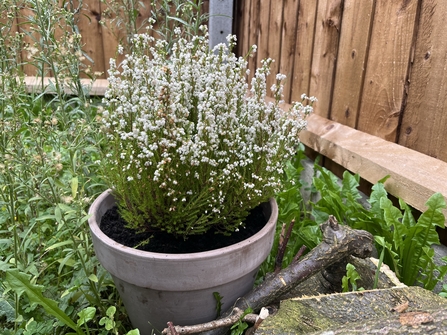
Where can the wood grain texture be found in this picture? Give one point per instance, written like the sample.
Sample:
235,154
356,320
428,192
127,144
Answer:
387,68
288,44
424,122
414,177
274,41
9,28
263,32
241,26
325,50
361,312
304,40
90,29
253,35
352,56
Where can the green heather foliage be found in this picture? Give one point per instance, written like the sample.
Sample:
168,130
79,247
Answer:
186,148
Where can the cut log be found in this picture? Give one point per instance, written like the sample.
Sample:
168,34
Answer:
399,310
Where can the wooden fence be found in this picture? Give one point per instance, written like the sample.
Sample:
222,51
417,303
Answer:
377,66
379,71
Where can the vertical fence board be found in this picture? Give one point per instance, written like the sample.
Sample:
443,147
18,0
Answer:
327,31
351,61
112,36
424,122
302,61
263,32
253,38
288,35
241,26
274,41
387,67
90,30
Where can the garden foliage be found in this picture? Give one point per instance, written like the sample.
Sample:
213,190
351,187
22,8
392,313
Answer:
402,241
50,280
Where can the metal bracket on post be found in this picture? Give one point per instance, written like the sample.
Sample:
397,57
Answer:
221,21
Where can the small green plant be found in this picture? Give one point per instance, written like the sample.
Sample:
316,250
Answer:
186,148
218,298
349,282
240,326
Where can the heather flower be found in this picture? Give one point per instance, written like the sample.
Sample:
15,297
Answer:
191,145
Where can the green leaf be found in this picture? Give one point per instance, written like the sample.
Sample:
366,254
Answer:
107,323
86,315
133,332
422,234
350,184
58,215
74,187
351,278
20,283
378,192
111,311
93,278
392,216
59,244
6,310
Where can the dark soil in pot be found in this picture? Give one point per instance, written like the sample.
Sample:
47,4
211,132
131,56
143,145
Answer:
114,227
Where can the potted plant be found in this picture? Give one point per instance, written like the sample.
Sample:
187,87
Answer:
192,154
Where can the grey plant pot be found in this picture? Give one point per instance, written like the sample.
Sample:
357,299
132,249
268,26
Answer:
157,287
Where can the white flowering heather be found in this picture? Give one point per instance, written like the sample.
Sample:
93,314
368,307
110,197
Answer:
189,148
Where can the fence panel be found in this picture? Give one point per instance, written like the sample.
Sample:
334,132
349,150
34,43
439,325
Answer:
377,66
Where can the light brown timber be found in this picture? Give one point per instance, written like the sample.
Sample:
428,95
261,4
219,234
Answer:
414,176
424,122
351,61
288,47
387,68
325,50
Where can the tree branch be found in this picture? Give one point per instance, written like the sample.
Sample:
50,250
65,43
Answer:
339,242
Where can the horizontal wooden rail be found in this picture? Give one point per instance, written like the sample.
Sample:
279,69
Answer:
34,85
414,176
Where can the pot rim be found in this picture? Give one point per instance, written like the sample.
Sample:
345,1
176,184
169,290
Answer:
94,228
